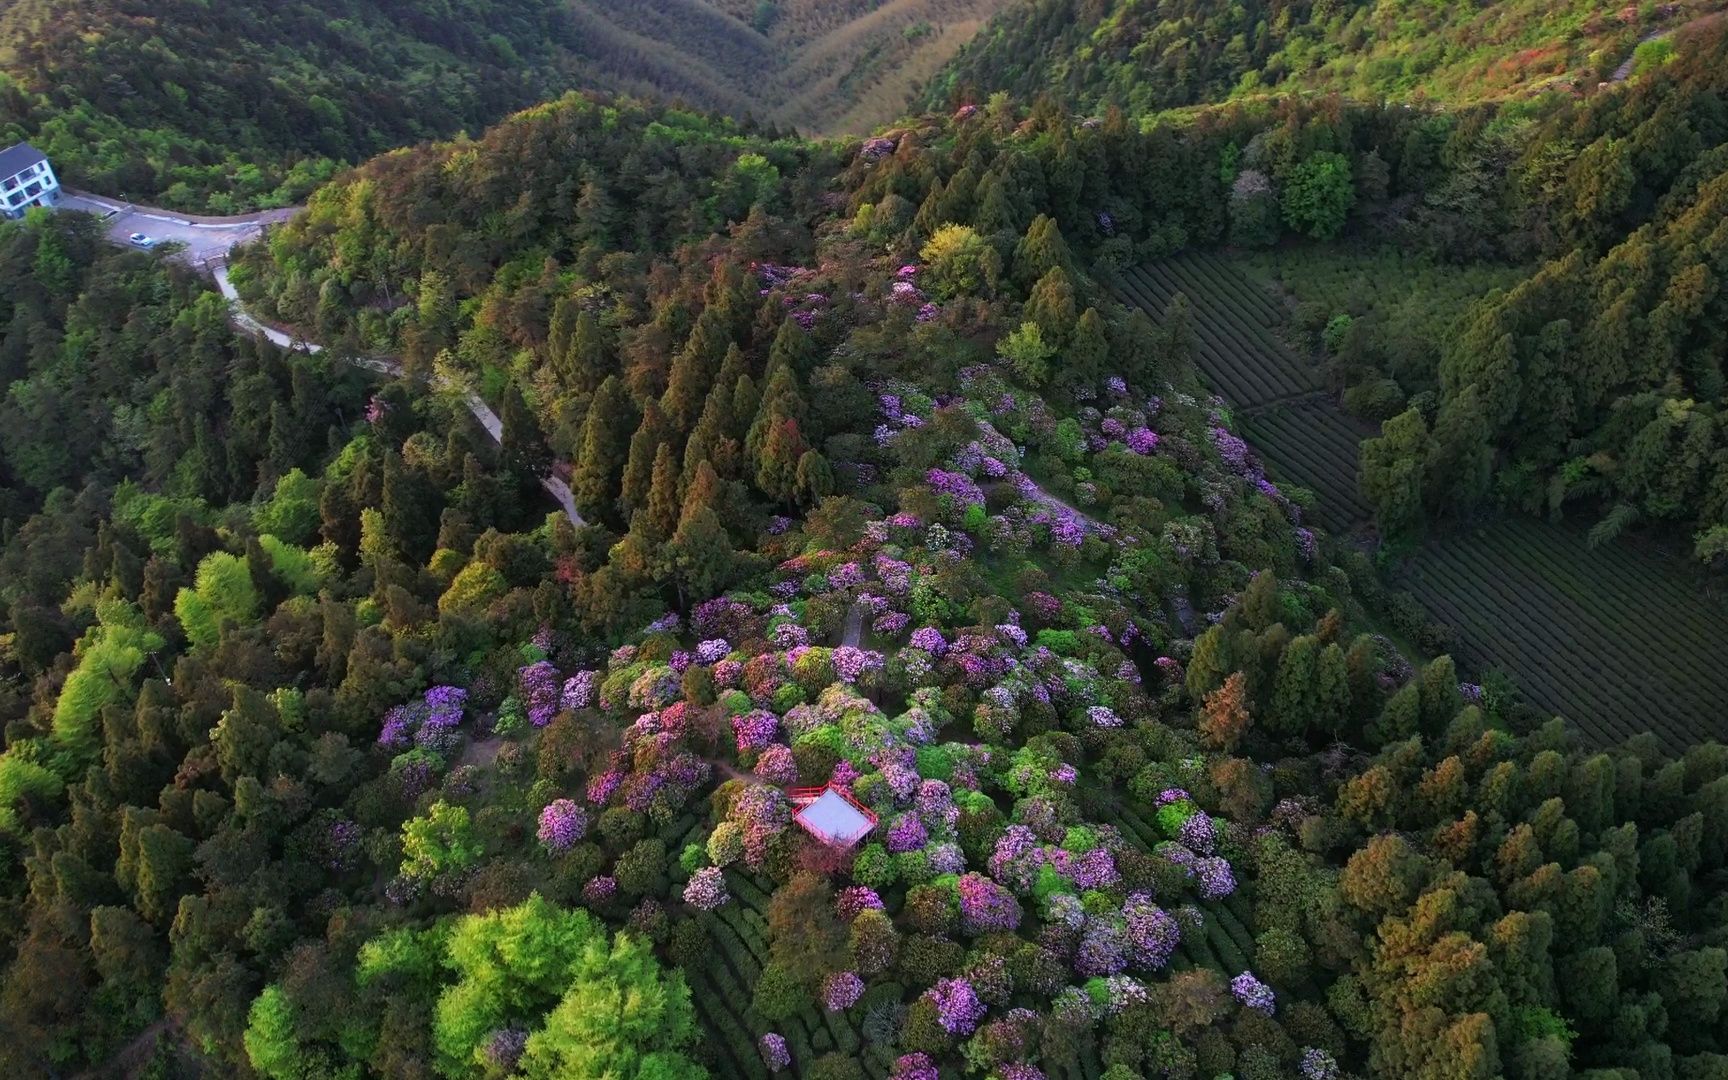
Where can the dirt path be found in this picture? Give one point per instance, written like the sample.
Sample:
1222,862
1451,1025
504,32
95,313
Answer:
129,1058
853,632
1090,524
1624,71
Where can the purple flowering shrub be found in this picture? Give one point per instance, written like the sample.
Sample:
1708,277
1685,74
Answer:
774,1053
706,889
841,990
562,823
958,1009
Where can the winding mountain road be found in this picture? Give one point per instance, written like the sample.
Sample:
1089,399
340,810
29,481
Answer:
207,241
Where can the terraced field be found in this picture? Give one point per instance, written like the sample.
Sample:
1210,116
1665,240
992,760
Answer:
1616,639
1236,324
1315,444
1304,437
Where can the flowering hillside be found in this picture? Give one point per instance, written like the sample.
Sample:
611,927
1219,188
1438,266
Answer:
333,750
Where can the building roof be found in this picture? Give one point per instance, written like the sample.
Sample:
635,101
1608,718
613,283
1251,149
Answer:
835,819
18,157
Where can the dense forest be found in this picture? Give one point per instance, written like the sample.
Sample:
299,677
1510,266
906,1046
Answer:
331,748
1151,55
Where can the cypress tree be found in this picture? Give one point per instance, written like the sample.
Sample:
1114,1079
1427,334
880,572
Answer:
1040,251
693,369
595,484
589,356
1052,307
523,442
777,465
1293,699
1088,350
662,508
645,445
792,348
814,479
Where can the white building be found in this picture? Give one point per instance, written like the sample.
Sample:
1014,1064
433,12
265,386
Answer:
26,180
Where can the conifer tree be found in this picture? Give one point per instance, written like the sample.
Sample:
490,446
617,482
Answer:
1225,718
1293,699
651,434
1088,351
1051,306
693,369
523,443
745,403
792,348
1040,251
994,212
777,464
605,446
815,479
662,506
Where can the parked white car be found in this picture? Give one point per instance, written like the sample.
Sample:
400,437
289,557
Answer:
138,239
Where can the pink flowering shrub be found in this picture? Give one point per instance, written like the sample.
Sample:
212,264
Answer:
775,765
755,729
986,907
958,1009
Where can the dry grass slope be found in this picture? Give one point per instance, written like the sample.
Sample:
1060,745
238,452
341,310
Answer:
827,67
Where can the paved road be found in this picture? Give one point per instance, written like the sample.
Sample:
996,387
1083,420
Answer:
555,487
204,238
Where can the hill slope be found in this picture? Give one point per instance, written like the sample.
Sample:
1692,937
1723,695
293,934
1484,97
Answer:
221,107
1145,55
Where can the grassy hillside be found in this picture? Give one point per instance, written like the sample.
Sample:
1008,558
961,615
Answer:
1145,55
